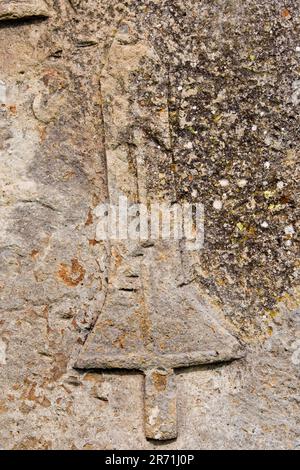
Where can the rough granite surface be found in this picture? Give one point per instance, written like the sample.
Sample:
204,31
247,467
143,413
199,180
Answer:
233,92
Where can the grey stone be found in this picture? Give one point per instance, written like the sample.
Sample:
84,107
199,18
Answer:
148,321
228,71
17,10
160,405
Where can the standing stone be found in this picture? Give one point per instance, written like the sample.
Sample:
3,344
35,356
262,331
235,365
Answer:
199,102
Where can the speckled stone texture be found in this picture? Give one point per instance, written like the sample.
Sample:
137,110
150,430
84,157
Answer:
232,88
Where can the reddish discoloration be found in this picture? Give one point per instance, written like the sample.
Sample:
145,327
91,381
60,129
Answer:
68,175
60,366
93,242
71,275
13,109
33,443
42,133
3,407
33,393
160,381
54,79
34,254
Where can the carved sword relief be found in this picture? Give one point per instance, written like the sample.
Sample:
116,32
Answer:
20,9
153,319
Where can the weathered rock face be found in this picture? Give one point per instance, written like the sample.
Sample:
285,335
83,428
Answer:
211,91
20,9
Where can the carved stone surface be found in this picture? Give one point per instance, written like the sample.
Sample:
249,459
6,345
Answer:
19,9
160,404
153,316
210,91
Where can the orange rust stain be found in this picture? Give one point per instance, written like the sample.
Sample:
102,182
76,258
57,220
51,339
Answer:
33,443
162,257
92,377
45,402
68,175
3,407
71,275
74,323
31,394
42,132
160,381
272,313
60,366
120,341
34,254
54,78
89,219
93,242
285,13
117,257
